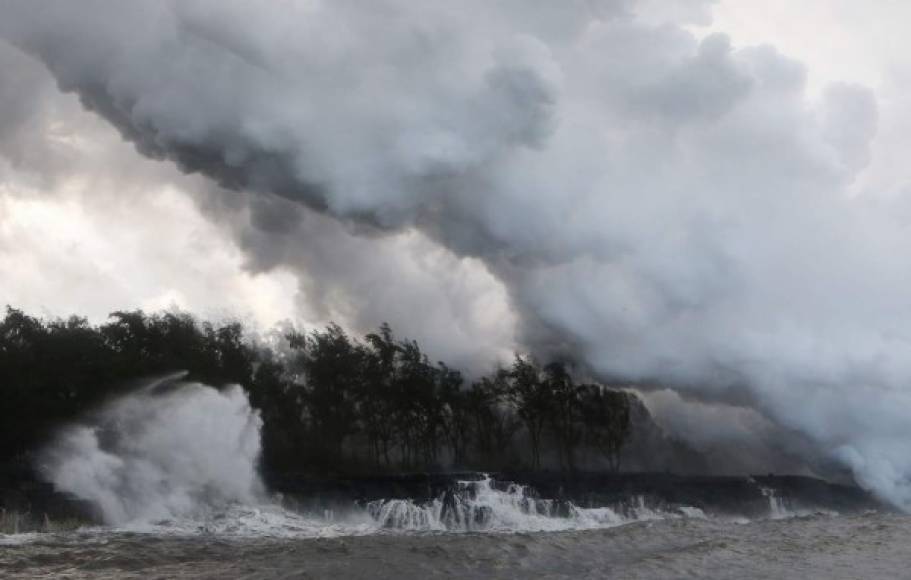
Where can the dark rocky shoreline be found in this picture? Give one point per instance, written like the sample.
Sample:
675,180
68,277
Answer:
747,496
24,493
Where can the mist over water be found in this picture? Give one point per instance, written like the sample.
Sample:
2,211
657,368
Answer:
166,452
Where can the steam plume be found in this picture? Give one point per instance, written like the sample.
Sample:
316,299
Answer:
158,456
666,208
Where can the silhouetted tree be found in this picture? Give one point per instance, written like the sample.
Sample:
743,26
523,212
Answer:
331,366
377,402
606,416
526,389
494,424
327,400
456,422
564,411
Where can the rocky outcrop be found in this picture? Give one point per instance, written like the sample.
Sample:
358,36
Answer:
752,497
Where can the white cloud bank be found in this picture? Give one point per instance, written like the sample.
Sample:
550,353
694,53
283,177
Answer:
665,207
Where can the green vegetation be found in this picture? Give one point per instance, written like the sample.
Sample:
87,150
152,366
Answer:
330,403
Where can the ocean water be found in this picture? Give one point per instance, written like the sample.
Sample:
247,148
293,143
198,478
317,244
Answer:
177,486
478,529
869,546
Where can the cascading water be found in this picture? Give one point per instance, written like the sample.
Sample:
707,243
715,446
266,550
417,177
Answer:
777,508
176,457
182,458
473,506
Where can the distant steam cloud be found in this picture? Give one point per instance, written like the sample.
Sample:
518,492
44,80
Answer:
666,208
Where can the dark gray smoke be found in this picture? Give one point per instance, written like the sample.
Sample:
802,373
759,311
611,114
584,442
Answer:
665,208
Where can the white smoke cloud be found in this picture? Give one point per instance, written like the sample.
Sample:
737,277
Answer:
454,306
80,211
671,209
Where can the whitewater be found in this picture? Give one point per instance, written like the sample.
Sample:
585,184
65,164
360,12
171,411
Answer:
177,457
869,547
172,471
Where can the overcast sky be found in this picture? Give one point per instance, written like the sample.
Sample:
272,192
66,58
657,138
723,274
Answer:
69,242
62,250
708,194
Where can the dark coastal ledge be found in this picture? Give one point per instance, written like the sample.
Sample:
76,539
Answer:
23,493
754,496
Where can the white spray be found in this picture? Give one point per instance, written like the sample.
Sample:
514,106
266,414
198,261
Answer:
181,458
482,506
154,456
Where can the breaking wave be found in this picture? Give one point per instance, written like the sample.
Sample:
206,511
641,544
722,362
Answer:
181,458
470,506
477,506
168,451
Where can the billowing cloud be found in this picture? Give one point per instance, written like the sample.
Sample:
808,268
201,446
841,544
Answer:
88,226
664,207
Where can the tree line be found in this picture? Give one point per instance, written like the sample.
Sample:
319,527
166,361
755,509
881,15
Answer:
330,402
